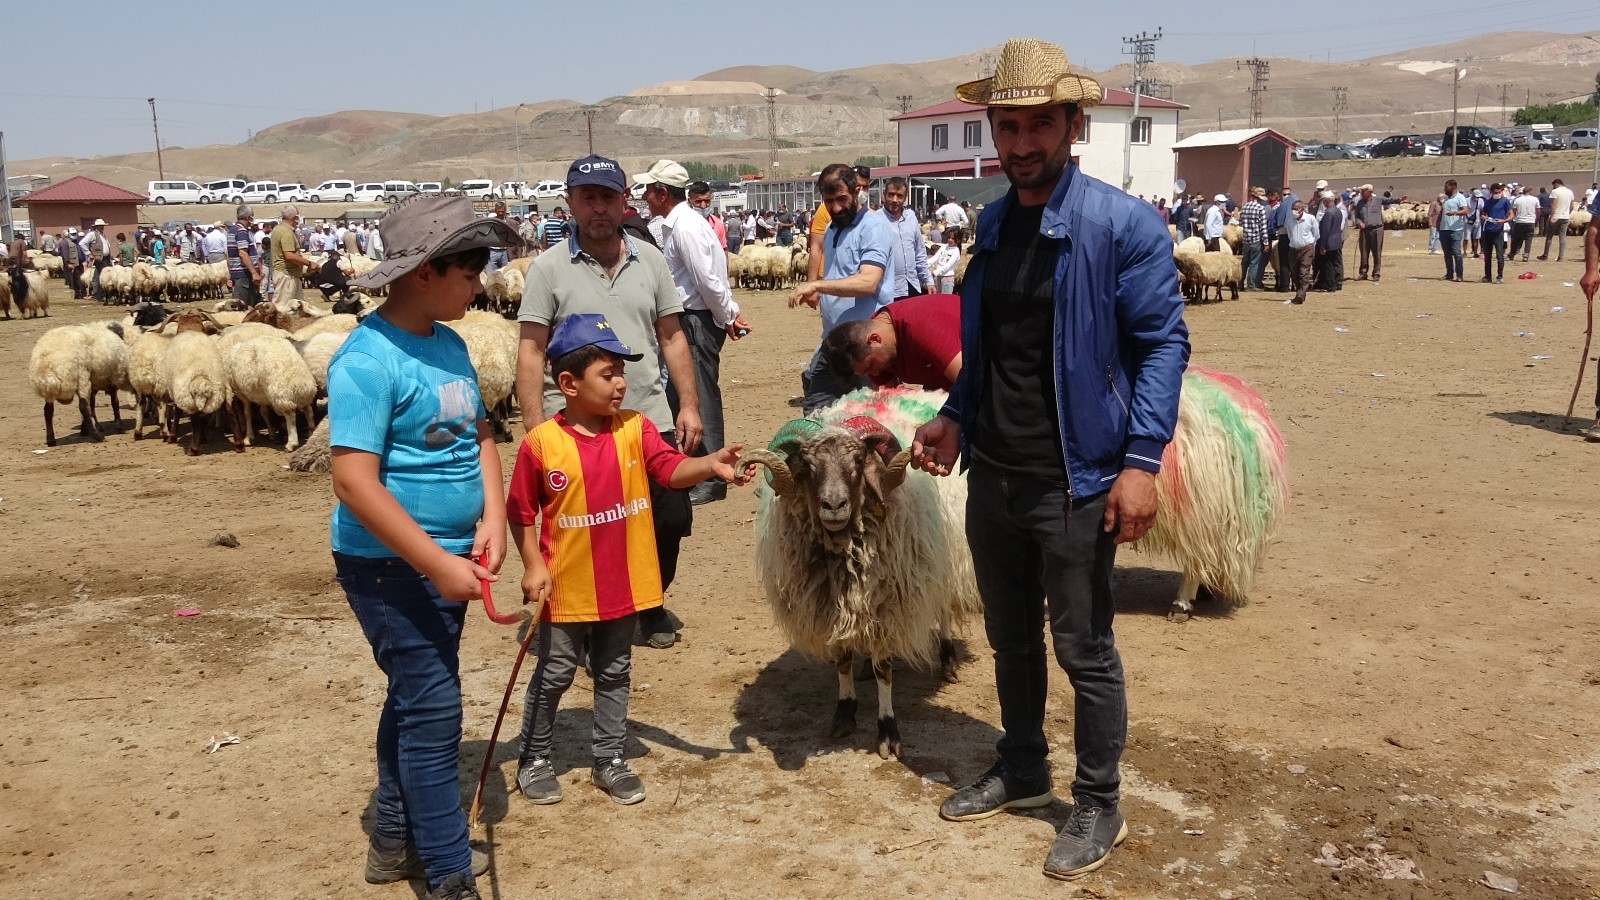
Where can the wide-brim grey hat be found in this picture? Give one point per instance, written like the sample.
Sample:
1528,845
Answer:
424,226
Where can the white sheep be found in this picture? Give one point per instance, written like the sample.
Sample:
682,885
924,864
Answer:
858,553
1199,269
146,376
77,362
269,372
317,351
196,381
492,347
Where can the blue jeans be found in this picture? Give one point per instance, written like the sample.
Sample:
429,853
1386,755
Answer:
820,388
1041,558
1450,242
415,636
1255,265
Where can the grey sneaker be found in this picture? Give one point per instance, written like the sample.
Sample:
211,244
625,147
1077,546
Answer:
402,862
1592,433
536,778
615,778
456,887
996,790
1085,842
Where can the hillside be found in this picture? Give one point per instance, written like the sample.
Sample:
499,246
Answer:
721,116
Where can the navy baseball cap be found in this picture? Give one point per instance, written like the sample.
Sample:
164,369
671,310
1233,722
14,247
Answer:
596,170
583,329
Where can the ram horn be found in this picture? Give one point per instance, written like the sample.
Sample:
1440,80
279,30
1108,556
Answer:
895,473
872,433
782,481
792,434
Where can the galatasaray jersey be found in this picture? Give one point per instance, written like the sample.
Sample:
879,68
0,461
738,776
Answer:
591,499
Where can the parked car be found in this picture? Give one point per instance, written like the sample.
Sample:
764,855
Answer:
1399,145
511,190
548,190
430,187
291,192
164,192
335,190
476,188
395,191
1336,151
1469,140
227,190
1500,142
1432,148
1583,138
1539,137
371,192
1304,152
260,192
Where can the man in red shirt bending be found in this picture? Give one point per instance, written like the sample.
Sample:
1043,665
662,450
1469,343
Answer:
912,341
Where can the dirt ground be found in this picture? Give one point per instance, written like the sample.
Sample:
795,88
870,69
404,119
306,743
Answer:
1416,670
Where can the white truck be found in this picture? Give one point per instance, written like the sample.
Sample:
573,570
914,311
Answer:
1539,137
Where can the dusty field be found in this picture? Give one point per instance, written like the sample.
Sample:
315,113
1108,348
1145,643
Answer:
1416,670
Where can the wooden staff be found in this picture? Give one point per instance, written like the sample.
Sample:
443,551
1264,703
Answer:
1583,362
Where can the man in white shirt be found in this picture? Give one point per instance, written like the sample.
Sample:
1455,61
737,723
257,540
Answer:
951,213
1560,211
1214,220
1524,213
710,316
214,246
748,228
1302,249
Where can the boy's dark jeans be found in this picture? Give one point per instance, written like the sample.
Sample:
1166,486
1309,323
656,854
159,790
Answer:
415,635
611,659
1030,556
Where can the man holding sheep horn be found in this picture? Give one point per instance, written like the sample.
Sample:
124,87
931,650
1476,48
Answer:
1067,396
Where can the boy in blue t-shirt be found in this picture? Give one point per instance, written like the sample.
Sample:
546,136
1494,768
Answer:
421,519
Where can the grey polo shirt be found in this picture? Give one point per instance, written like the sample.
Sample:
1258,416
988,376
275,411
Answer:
564,280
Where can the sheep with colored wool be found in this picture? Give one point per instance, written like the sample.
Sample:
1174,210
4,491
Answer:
860,554
1222,488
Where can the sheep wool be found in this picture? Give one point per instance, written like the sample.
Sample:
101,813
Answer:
1223,484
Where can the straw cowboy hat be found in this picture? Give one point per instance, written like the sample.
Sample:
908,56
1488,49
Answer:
1031,73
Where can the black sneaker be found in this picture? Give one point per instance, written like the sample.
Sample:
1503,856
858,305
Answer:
995,790
536,778
1085,842
615,778
402,862
457,887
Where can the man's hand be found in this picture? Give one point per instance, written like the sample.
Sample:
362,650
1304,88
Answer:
1590,281
689,430
1131,505
806,293
927,288
736,326
459,579
935,445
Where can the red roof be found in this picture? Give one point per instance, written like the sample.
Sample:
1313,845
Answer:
1113,97
81,189
951,168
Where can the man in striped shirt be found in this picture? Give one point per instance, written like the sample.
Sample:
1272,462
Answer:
1253,220
554,228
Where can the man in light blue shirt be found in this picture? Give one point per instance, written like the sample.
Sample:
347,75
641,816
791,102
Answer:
857,276
910,251
1452,224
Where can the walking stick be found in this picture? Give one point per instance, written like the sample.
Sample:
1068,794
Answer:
505,701
1583,362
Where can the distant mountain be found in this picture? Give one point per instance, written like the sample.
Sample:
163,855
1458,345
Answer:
721,116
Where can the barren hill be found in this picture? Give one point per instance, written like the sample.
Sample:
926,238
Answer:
721,116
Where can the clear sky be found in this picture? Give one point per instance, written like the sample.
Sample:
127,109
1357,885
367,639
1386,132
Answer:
80,73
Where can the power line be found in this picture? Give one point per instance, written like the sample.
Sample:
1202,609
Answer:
1142,47
1259,69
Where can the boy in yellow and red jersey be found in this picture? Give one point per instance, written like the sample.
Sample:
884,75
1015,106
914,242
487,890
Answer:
583,476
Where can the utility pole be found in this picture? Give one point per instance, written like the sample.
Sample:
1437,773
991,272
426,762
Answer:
160,169
1341,102
1504,103
905,107
7,231
1455,107
517,123
588,114
1258,85
772,131
1142,47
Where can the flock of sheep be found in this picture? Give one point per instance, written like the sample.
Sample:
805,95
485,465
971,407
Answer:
220,369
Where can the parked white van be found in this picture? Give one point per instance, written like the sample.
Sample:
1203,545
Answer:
395,191
164,192
261,192
1583,138
430,187
372,192
227,190
476,188
336,190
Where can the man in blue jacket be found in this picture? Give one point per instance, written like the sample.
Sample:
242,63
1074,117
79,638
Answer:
1073,348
